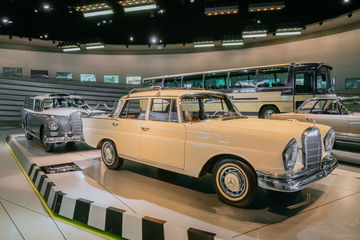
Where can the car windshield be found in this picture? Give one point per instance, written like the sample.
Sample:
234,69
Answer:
350,105
62,102
199,107
306,107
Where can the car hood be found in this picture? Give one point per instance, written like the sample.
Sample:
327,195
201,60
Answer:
65,112
271,128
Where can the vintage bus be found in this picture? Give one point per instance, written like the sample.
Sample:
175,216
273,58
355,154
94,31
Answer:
259,91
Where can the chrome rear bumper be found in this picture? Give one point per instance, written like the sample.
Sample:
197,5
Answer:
293,183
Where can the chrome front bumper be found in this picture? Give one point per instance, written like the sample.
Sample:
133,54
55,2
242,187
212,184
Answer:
64,139
296,182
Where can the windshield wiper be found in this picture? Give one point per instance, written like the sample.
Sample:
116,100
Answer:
233,117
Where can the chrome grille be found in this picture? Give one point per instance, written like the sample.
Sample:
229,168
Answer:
76,123
312,149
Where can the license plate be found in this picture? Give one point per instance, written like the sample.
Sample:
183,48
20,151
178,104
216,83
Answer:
53,134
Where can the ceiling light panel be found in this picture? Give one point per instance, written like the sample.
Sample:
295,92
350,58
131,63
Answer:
137,5
204,44
96,9
238,42
218,8
96,45
266,6
254,34
288,31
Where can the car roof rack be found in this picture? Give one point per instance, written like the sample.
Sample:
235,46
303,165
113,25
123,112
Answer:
151,88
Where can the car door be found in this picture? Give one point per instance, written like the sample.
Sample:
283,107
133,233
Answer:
37,118
354,127
327,112
127,127
351,108
29,115
163,136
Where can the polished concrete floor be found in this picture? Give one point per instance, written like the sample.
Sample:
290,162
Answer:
327,209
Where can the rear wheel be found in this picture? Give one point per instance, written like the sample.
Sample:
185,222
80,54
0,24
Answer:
267,111
109,155
49,147
235,182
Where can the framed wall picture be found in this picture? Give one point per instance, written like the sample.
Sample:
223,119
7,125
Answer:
39,73
12,71
111,79
64,76
86,77
352,83
133,80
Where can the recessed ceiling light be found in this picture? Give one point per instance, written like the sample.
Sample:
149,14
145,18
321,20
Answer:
46,6
153,39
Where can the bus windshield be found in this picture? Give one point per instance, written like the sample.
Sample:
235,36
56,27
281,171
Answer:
324,83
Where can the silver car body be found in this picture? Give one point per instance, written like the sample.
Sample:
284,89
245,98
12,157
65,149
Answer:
341,113
36,119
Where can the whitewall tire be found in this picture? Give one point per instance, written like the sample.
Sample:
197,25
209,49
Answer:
109,155
235,182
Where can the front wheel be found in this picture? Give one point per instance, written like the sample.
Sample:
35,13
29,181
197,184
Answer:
109,155
49,147
235,182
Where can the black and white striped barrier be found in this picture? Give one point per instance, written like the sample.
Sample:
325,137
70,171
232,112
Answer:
106,218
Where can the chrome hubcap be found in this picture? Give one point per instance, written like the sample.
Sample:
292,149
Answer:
268,114
232,182
108,153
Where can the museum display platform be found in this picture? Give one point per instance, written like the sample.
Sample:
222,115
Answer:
142,202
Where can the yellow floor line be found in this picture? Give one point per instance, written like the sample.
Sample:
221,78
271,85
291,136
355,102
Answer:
53,215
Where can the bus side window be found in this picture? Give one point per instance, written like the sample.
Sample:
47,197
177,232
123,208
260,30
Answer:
215,81
243,79
195,81
303,82
272,77
152,82
172,82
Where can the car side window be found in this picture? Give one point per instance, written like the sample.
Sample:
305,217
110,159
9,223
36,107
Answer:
326,106
163,110
37,105
135,109
47,104
30,104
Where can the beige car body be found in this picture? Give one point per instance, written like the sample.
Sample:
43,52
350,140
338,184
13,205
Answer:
187,147
346,126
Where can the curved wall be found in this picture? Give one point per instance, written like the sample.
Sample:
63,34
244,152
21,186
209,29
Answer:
341,50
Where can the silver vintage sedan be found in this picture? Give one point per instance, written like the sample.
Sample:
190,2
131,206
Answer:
55,118
341,113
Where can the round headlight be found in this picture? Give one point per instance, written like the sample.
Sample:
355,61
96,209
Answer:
329,140
53,125
290,155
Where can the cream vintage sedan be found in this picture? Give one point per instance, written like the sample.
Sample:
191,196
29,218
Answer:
195,132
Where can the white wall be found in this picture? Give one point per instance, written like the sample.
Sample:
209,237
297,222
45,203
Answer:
341,50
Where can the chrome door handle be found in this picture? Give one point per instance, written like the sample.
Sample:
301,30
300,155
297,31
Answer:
115,124
144,128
